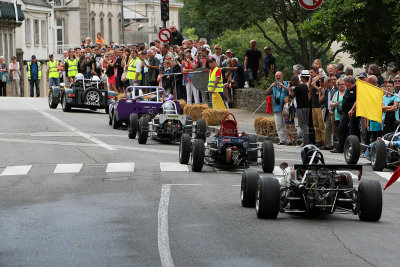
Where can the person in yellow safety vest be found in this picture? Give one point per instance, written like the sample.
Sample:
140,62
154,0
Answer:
72,63
34,70
215,84
134,69
53,76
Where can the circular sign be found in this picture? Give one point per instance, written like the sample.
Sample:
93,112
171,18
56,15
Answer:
164,35
310,4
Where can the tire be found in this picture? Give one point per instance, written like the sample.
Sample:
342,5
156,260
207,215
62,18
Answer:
268,156
378,155
352,149
52,103
107,109
197,155
66,107
143,130
253,155
133,124
184,149
92,95
110,118
370,200
116,123
189,125
201,128
248,188
268,196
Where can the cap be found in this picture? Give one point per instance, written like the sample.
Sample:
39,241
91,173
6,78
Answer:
137,44
211,59
305,73
33,56
51,55
228,51
362,75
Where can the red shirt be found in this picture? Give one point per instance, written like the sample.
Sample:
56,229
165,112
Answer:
218,74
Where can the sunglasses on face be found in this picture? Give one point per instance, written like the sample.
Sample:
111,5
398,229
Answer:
342,84
397,81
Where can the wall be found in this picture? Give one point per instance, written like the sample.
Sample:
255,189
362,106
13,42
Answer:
250,99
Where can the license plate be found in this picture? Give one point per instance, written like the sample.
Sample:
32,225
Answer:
173,117
93,104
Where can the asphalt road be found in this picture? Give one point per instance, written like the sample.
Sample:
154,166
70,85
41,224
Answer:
125,204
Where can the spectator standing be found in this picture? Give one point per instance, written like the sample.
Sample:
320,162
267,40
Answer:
53,76
279,90
193,50
119,69
313,95
331,70
218,56
64,67
252,63
167,55
110,71
153,67
202,58
373,69
82,62
340,70
297,69
269,62
15,73
97,65
288,114
72,63
167,78
4,80
390,106
336,105
325,97
100,39
34,70
134,69
191,92
176,37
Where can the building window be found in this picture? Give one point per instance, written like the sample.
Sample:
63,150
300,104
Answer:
36,32
28,31
120,29
43,28
6,47
93,28
59,3
110,30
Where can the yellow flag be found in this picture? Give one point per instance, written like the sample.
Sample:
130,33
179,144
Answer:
369,101
217,102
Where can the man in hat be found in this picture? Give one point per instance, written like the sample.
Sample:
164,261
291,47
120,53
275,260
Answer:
53,76
363,76
34,70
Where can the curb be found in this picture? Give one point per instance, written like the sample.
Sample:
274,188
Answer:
260,138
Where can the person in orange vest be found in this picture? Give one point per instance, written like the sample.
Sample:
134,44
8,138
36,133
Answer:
100,39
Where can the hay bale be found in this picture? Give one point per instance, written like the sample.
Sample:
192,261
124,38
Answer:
265,126
214,116
182,103
195,110
120,96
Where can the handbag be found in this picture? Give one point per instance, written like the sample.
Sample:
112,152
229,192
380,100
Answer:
123,77
4,77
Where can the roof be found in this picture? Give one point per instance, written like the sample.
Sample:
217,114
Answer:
130,14
42,3
7,11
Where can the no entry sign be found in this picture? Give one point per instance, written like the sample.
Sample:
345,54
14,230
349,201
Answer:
164,35
310,4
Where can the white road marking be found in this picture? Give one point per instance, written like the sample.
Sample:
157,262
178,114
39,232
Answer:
386,175
173,167
16,170
163,237
121,167
68,168
73,129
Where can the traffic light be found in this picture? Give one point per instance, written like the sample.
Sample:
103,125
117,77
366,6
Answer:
164,10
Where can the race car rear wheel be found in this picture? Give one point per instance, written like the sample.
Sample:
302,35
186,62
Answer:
352,149
116,123
370,200
248,188
107,109
268,156
132,125
201,128
197,155
189,125
92,95
52,103
184,149
110,118
66,107
253,155
143,130
378,155
268,198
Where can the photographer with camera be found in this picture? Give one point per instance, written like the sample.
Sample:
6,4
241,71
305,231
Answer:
279,90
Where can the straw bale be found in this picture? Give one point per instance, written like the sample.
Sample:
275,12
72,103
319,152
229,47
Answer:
214,117
265,126
195,110
182,103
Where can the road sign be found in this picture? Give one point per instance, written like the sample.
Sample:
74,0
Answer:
164,35
310,4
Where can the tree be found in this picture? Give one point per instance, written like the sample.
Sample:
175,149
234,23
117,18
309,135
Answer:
369,29
221,15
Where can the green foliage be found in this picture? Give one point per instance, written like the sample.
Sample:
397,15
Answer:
190,33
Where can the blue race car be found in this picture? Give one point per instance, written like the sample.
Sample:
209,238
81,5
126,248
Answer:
384,152
228,148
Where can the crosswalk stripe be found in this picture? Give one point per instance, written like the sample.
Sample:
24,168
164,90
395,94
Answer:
16,170
121,167
385,175
173,167
68,168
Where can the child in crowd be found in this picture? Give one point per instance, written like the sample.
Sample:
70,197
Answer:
318,65
288,114
166,78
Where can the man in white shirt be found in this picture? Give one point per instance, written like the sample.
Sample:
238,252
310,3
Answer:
193,50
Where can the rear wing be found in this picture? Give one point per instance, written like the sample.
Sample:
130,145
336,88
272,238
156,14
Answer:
332,167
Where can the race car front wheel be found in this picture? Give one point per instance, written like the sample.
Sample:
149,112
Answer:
378,155
198,155
268,156
268,198
184,149
369,200
116,123
143,130
352,149
189,125
66,107
248,188
201,128
52,103
132,125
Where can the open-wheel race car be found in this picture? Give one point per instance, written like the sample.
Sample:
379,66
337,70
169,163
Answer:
83,93
384,152
313,188
137,104
228,148
166,125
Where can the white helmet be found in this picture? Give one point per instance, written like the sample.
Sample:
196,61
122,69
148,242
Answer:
79,76
169,107
95,78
